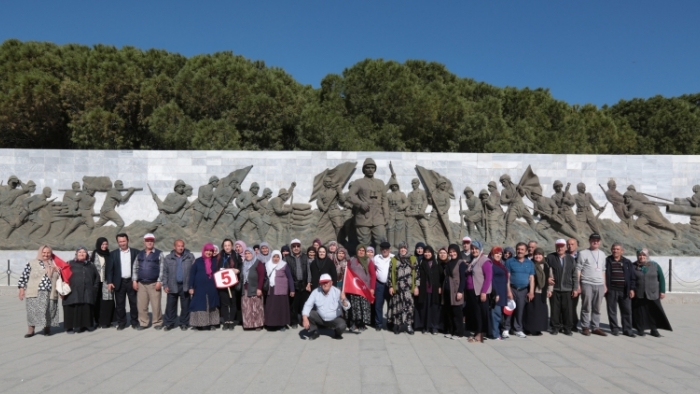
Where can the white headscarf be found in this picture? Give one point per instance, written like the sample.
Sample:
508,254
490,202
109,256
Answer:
271,267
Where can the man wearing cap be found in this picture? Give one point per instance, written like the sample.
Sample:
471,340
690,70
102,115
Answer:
147,278
368,197
590,267
466,253
565,277
521,278
301,274
324,308
382,264
621,281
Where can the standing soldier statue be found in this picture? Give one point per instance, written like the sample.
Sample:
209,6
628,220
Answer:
584,212
327,203
205,200
396,229
417,203
473,216
512,197
368,197
565,203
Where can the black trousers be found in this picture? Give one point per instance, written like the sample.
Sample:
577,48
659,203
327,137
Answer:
574,314
615,298
296,303
228,308
561,313
170,318
126,291
427,314
315,321
454,320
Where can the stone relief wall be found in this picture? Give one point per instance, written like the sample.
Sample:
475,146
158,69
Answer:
205,196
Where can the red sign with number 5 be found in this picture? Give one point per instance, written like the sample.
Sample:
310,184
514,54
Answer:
225,278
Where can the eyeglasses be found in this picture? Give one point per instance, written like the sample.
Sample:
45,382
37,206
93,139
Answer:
296,246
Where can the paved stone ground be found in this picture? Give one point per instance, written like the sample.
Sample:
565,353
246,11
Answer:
110,361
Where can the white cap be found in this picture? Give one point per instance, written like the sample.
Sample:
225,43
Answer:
149,236
466,239
560,241
295,241
325,278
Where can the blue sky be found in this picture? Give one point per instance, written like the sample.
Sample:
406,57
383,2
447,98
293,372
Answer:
585,52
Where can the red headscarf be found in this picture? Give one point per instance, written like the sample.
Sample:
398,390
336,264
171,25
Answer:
207,261
494,250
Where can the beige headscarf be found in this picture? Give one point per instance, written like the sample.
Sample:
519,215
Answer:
49,265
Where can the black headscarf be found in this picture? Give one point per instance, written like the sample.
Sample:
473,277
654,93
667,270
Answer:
452,262
98,247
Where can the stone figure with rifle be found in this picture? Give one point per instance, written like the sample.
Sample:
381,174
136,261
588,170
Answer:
282,213
565,203
584,208
113,199
371,209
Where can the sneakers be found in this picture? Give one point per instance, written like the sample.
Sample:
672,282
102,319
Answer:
520,334
505,334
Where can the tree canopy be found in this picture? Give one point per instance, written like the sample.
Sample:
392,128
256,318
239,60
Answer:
102,97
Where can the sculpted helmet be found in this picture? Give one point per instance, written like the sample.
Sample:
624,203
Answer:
368,161
268,191
492,184
31,183
504,177
631,188
629,194
696,188
392,182
440,181
468,189
281,192
254,185
213,179
179,182
558,183
483,193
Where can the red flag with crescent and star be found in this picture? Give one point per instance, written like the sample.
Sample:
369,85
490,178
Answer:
352,284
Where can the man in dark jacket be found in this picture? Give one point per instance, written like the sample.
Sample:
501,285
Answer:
565,284
147,280
176,276
301,273
620,280
118,277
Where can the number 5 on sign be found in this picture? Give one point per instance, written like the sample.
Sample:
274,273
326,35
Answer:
225,278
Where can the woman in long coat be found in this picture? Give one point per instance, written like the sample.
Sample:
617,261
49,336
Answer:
204,314
536,314
429,291
84,285
404,280
253,279
478,277
38,285
104,302
647,312
499,290
322,265
227,297
453,293
277,314
360,312
340,260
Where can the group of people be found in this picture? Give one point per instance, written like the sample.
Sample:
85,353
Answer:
461,292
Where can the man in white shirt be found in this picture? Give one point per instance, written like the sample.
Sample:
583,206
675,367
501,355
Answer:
382,263
118,277
324,308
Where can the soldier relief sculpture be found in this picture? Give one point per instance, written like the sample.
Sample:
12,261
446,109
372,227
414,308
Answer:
367,211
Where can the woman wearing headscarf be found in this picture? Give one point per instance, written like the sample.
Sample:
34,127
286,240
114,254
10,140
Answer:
370,252
404,281
418,252
499,290
453,293
340,260
104,299
239,248
204,314
647,312
84,285
360,312
478,278
286,251
428,303
317,243
508,252
332,249
227,297
536,314
252,294
265,252
322,265
281,288
38,285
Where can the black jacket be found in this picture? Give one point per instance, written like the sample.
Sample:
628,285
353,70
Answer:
434,275
320,267
113,272
565,278
84,283
630,276
300,283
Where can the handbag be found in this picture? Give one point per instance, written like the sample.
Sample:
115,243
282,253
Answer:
62,287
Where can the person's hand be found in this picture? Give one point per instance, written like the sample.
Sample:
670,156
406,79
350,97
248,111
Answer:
166,289
191,291
21,294
551,281
158,286
291,294
308,287
61,295
305,322
258,292
440,290
236,270
498,298
549,294
415,292
606,289
574,294
110,287
391,291
510,295
135,285
482,297
365,207
662,296
631,293
371,291
530,296
459,296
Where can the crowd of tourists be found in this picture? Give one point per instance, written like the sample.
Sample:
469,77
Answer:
457,291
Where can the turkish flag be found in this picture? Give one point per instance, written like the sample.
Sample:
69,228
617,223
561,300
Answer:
64,269
354,285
